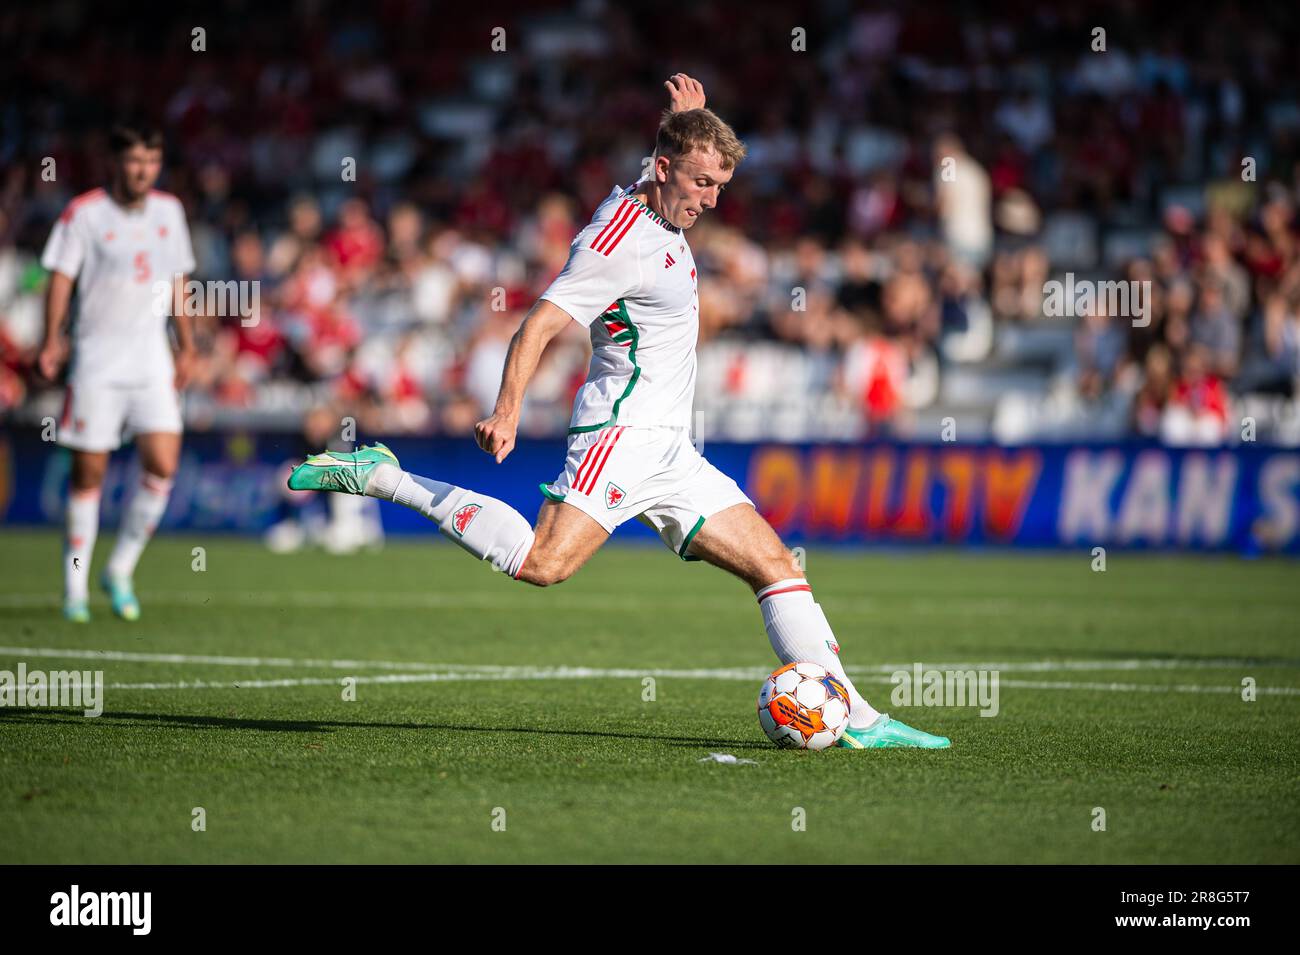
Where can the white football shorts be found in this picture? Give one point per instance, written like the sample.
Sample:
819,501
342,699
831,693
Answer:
654,474
99,417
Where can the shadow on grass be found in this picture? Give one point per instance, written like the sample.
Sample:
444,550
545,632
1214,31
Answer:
123,720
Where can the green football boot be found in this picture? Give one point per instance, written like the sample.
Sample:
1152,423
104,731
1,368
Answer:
76,611
345,471
122,596
886,732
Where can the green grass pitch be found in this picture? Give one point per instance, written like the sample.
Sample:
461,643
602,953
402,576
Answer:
479,699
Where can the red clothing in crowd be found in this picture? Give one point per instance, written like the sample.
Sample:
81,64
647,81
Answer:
1203,396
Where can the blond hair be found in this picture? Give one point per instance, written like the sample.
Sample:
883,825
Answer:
702,129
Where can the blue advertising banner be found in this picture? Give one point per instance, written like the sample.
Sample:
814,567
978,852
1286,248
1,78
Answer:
1142,496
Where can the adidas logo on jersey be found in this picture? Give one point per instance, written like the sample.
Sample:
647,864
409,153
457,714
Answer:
669,261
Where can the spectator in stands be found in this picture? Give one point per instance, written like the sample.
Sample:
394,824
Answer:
379,289
1151,399
1197,412
963,201
1216,329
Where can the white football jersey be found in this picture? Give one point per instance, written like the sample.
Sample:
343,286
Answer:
631,279
116,256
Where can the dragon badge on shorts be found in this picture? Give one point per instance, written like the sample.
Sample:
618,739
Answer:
614,495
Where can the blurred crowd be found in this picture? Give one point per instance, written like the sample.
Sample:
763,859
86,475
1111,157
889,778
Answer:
916,174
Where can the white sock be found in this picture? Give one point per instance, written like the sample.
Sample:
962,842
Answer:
79,543
489,529
799,631
138,523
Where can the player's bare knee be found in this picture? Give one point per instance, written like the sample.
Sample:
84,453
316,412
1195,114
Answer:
546,569
545,576
160,459
775,567
87,474
86,482
796,568
783,562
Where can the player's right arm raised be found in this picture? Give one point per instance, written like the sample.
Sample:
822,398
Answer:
684,92
496,434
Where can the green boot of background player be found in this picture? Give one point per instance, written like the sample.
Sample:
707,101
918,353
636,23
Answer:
121,595
76,611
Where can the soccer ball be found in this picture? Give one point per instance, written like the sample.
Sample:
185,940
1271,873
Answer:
802,706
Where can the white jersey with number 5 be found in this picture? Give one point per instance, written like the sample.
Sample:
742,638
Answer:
116,255
631,279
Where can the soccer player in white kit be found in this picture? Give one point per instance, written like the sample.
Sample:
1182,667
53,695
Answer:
631,280
127,251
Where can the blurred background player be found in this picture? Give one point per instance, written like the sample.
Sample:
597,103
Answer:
127,251
630,450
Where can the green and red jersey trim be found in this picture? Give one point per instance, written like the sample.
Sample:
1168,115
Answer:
620,328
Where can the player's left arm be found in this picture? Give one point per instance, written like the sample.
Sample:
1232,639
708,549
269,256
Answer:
65,251
54,350
186,354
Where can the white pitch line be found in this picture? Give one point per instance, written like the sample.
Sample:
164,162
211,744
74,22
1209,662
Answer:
746,673
304,681
516,673
1031,666
470,672
757,673
1146,687
423,600
1121,687
215,660
399,600
325,600
581,673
